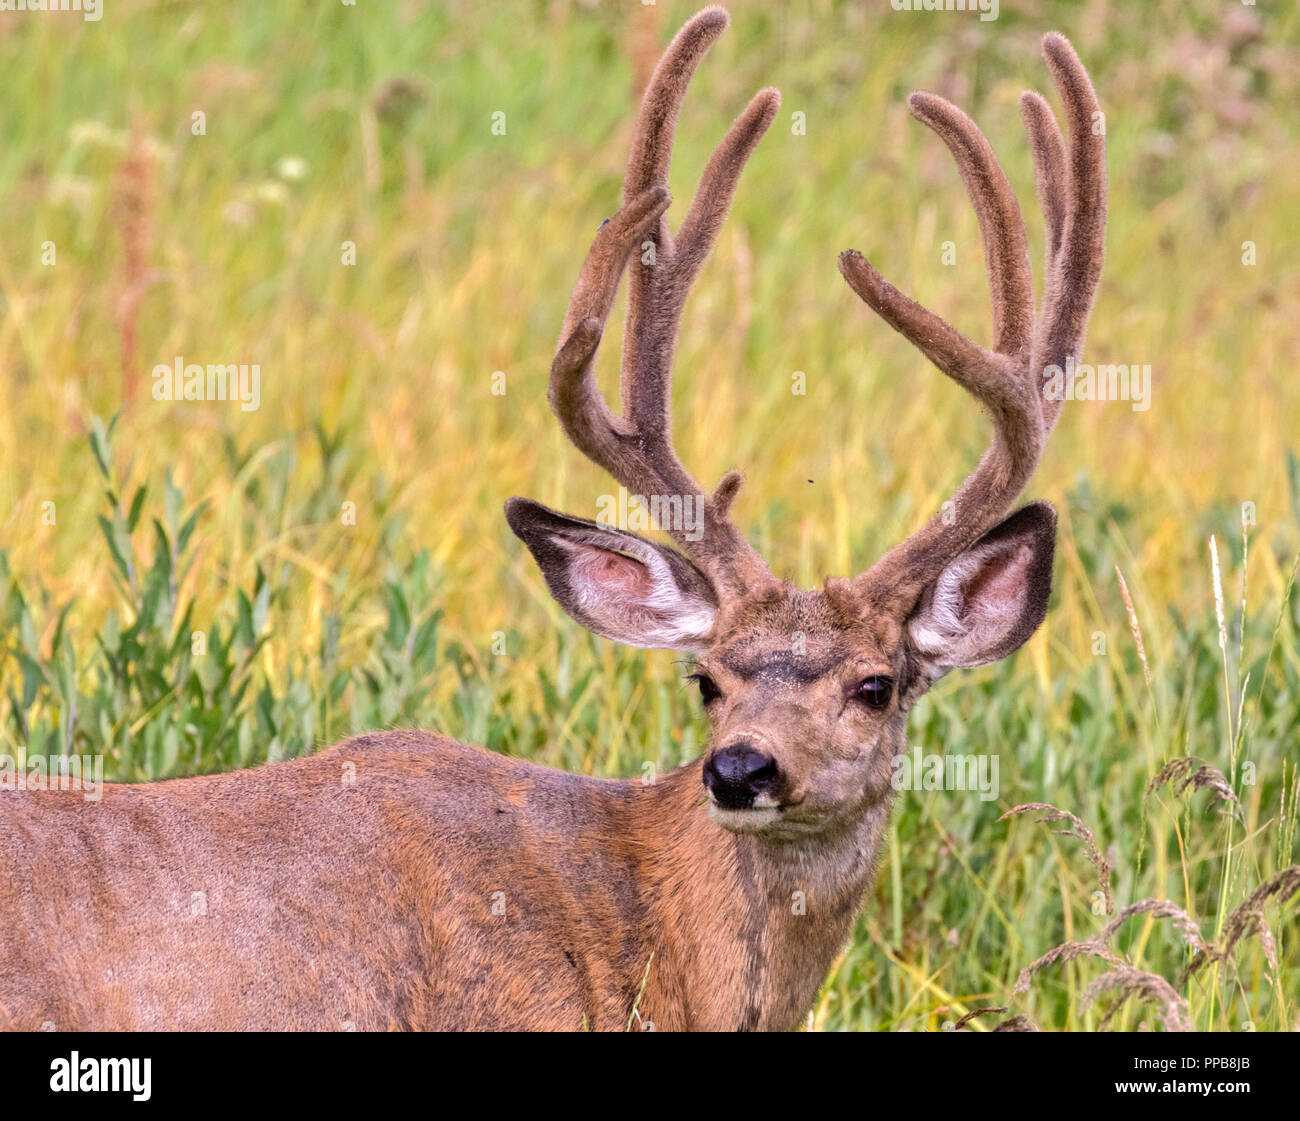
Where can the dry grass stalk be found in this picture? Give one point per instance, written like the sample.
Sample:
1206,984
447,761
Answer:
1161,908
1082,832
1134,626
966,1019
1182,775
1067,951
1017,1023
1217,580
1248,919
133,205
1245,582
1149,988
1097,947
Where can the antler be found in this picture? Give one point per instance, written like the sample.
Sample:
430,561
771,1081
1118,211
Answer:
637,448
1009,379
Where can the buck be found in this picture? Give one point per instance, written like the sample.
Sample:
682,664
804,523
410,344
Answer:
402,879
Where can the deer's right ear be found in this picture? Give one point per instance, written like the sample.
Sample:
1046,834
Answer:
992,596
616,584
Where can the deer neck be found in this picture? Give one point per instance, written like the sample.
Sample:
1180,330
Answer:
744,929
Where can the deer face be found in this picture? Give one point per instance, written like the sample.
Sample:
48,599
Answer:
806,707
806,692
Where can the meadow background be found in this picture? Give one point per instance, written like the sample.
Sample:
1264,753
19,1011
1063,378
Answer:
183,587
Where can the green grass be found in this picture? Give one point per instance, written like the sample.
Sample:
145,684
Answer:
328,123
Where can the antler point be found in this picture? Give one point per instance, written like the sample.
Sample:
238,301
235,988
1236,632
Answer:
708,24
725,492
852,259
921,103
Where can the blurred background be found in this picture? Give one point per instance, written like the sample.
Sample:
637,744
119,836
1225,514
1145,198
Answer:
384,208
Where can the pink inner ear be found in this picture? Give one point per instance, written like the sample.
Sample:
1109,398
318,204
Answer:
612,574
998,585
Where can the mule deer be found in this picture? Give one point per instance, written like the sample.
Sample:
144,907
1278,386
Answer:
448,887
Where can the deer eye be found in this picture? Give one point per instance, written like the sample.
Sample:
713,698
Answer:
709,691
875,691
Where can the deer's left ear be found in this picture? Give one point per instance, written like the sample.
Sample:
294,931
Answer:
616,584
992,596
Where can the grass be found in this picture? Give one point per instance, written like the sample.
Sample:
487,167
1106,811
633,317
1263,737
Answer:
195,587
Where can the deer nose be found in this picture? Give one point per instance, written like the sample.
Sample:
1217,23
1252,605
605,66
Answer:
738,774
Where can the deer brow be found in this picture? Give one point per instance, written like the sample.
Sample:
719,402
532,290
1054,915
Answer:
785,664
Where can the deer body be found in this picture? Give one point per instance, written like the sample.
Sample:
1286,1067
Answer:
288,898
447,887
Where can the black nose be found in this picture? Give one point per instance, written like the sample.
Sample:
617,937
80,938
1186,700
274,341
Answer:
736,775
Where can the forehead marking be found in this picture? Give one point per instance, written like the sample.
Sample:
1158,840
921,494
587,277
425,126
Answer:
784,665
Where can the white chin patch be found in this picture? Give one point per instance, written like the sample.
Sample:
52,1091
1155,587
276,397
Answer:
744,821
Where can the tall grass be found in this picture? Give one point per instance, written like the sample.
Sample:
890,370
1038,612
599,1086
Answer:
196,587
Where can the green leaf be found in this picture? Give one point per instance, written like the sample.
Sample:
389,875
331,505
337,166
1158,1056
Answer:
172,503
100,444
118,545
261,607
183,537
137,504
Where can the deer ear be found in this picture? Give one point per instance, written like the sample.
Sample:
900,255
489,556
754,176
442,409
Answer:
992,596
616,584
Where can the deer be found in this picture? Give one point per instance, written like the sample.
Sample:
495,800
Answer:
403,880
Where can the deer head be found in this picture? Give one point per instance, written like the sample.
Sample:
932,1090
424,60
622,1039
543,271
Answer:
807,691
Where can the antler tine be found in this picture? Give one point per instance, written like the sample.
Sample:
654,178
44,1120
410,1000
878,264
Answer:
1006,247
657,294
1076,269
1051,172
574,396
637,447
1007,379
984,373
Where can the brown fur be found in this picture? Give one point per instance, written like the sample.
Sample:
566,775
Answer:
330,904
